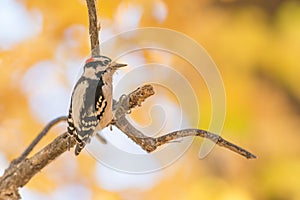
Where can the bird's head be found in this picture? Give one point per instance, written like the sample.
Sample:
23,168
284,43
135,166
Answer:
100,64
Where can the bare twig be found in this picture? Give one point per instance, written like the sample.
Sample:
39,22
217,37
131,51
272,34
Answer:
39,137
93,28
149,144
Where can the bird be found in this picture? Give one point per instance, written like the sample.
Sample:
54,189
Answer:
91,101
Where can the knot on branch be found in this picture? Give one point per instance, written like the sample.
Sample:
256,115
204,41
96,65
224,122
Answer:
138,96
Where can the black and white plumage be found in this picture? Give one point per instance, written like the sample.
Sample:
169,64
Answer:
91,102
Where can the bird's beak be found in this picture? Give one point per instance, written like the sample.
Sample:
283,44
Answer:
117,65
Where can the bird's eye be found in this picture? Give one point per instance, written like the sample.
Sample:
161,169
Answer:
106,62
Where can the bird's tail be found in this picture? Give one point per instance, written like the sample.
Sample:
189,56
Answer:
78,148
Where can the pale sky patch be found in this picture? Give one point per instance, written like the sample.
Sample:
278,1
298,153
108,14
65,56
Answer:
17,23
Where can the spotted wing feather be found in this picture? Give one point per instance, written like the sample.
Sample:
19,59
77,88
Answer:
90,116
101,102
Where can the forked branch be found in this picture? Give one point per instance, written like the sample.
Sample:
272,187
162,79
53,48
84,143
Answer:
23,169
19,173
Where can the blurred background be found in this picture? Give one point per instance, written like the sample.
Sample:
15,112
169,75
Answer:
256,46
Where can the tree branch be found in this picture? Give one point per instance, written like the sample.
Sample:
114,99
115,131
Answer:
18,174
93,28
